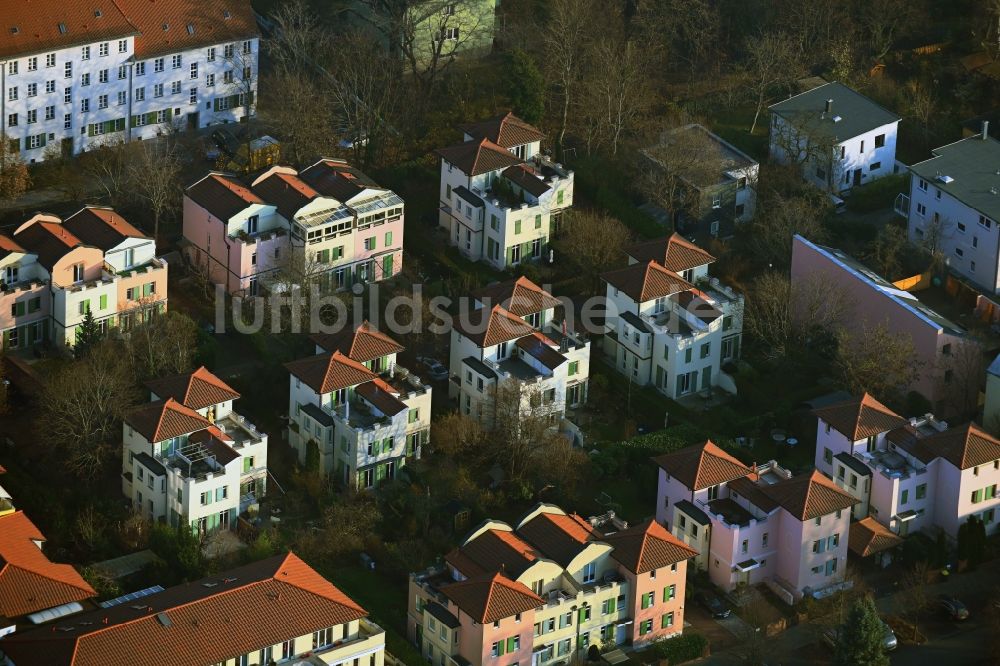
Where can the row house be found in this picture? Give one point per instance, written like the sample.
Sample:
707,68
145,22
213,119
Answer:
76,76
189,459
354,411
546,590
509,338
501,199
53,272
668,324
909,474
755,525
329,224
286,612
952,206
838,137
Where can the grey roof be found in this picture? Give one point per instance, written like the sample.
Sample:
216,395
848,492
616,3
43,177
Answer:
150,463
854,463
729,157
994,368
467,194
972,164
318,415
636,321
857,113
442,615
696,514
479,367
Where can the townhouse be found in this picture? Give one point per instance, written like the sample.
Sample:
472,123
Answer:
836,136
354,412
75,76
952,208
938,343
501,199
329,224
189,459
546,590
909,474
55,271
668,324
509,338
755,525
285,611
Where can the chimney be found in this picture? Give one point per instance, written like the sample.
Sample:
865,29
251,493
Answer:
829,106
986,129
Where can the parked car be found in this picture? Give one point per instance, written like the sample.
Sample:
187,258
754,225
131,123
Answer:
955,609
435,370
839,205
713,604
889,641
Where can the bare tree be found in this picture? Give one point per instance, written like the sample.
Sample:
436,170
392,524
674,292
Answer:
779,218
882,21
164,345
298,37
620,89
108,165
14,178
770,63
690,29
298,102
887,251
922,105
783,316
596,242
960,375
876,359
154,179
912,599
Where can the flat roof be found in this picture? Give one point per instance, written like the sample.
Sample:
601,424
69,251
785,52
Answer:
852,113
972,170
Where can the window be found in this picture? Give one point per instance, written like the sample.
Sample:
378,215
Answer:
194,70
247,46
322,638
175,87
985,221
122,72
102,76
121,98
158,65
140,69
875,166
645,627
205,499
370,243
706,350
904,496
12,93
667,620
819,520
158,90
103,49
880,140
67,95
647,600
449,34
589,572
669,592
32,116
50,112
32,89
921,491
921,210
175,61
228,51
763,540
140,94
388,238
50,86
32,64
122,46
827,456
862,149
211,54
210,80
85,79
68,70
990,491
227,77
977,496
11,120
102,101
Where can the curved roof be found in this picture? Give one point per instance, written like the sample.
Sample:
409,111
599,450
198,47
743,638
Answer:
101,227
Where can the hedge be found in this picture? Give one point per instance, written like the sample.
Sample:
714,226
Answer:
878,194
683,648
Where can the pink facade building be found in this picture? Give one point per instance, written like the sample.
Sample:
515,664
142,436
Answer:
329,225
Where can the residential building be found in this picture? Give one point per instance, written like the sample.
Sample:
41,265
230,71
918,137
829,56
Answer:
329,224
668,323
510,340
991,404
285,612
187,457
755,524
501,199
6,501
911,474
546,590
76,76
33,589
719,180
54,271
837,137
952,206
355,413
943,375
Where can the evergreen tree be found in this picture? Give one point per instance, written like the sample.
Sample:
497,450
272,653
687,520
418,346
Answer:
525,86
88,335
860,641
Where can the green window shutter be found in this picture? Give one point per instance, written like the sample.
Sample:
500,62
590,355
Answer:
151,118
510,255
517,226
324,256
413,416
387,266
170,114
90,129
246,465
19,309
447,191
559,197
104,301
388,238
538,221
510,644
6,339
85,304
44,138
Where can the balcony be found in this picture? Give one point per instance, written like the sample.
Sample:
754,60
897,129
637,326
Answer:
371,637
549,169
153,264
240,429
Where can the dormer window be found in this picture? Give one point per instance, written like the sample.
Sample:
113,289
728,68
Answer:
589,572
129,257
77,272
252,222
10,275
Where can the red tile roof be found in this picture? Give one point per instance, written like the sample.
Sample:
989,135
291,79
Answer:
197,390
204,622
809,496
702,466
490,327
50,241
491,551
365,343
189,24
8,246
491,597
860,418
330,372
222,195
648,546
165,419
868,536
100,227
506,131
964,447
37,25
521,297
29,582
674,253
474,158
286,191
558,536
646,282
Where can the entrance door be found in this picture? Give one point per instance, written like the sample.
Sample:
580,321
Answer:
223,520
66,147
192,121
621,633
857,176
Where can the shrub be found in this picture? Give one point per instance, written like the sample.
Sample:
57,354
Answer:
683,648
879,194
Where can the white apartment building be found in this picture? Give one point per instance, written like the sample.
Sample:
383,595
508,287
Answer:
354,411
668,323
187,457
76,75
954,207
501,199
838,137
510,336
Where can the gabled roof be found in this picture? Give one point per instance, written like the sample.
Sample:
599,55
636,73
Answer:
506,131
489,327
809,496
964,447
673,252
491,551
223,195
29,582
204,622
8,246
50,241
524,177
330,372
197,390
286,191
478,157
337,179
560,537
101,227
491,597
37,25
172,26
852,113
365,343
648,546
165,419
868,536
860,418
646,282
702,466
521,297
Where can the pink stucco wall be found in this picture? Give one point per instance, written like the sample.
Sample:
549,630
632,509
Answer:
795,556
92,259
9,298
136,280
644,583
